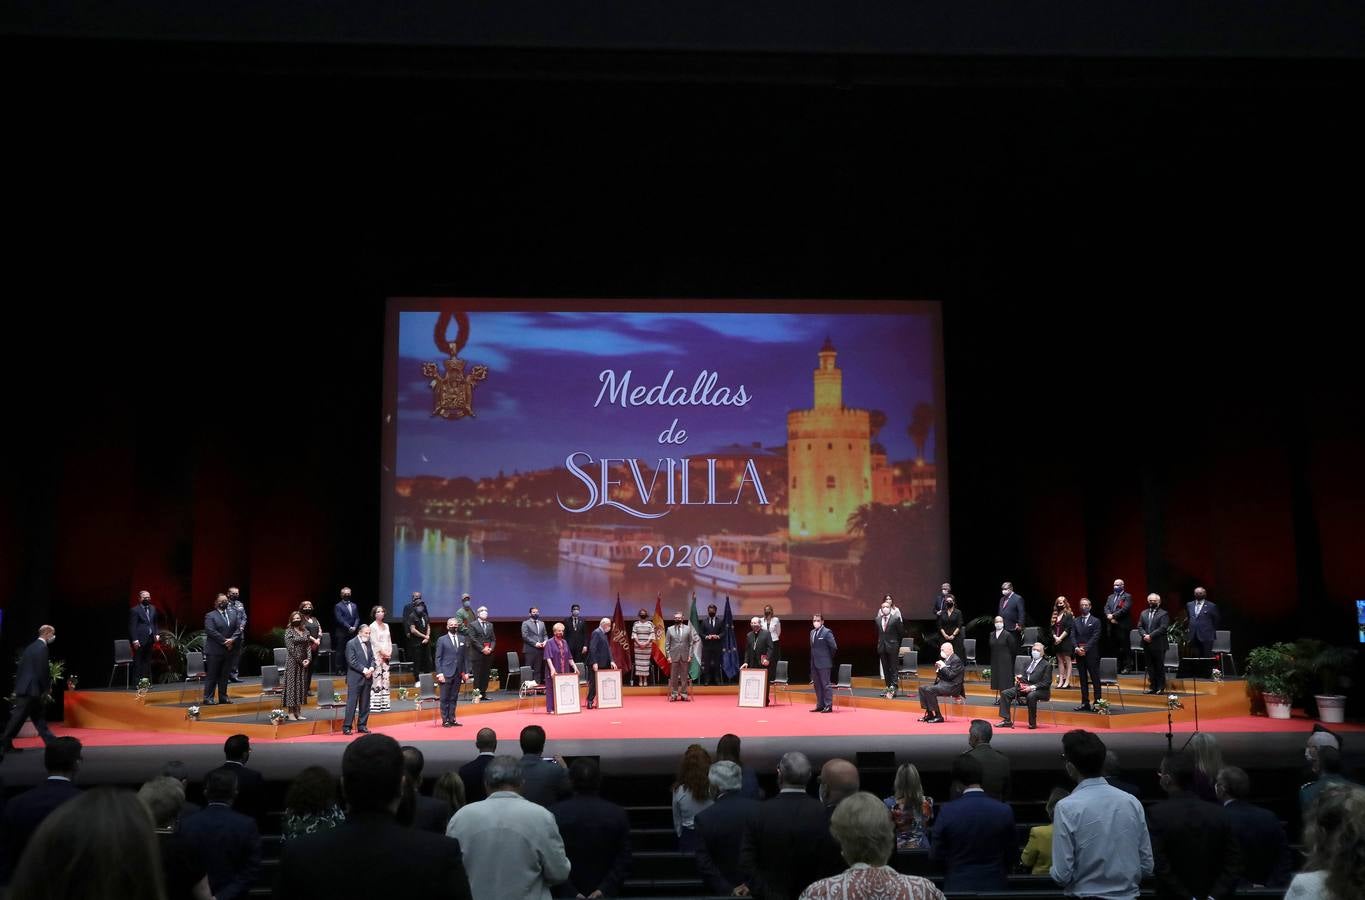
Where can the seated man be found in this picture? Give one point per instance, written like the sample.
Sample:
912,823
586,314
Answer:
1033,686
947,683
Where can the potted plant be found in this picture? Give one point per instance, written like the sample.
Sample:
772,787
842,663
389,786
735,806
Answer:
1325,666
1273,671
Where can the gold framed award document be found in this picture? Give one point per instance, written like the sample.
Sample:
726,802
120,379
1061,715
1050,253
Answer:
566,694
609,688
753,687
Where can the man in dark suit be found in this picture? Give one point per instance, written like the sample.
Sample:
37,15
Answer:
250,792
471,773
822,650
417,635
1085,634
712,643
1261,841
1152,625
25,812
1118,620
947,683
1195,851
543,782
599,657
890,633
1033,686
31,684
238,608
359,678
450,656
1203,617
220,638
783,838
143,634
596,835
372,780
482,643
576,633
1012,611
995,766
758,650
347,617
973,836
417,809
720,828
228,843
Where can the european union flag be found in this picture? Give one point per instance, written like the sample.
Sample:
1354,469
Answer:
729,654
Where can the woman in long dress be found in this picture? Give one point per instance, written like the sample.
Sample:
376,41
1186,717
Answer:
297,644
1062,644
643,637
950,627
558,661
382,645
1002,657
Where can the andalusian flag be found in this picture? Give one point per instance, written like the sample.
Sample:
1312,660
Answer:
659,654
694,670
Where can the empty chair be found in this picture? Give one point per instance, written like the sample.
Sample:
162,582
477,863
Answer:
1222,648
1172,661
1109,676
909,662
582,672
327,699
281,658
513,667
324,649
427,692
781,681
526,687
1135,644
195,670
969,649
1030,636
845,683
270,687
123,656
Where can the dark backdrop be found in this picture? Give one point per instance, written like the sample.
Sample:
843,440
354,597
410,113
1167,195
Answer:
1146,267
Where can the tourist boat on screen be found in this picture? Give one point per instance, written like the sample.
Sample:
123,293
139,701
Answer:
612,547
745,564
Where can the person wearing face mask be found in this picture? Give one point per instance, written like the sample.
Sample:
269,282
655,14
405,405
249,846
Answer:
945,590
712,627
347,616
1085,634
417,635
758,650
576,633
1032,687
465,617
1002,656
1062,643
381,651
31,684
450,652
890,633
235,656
220,638
1012,611
143,635
1203,617
642,638
950,626
823,646
947,683
533,640
361,665
1152,625
678,641
314,629
482,642
297,647
599,657
773,625
1118,608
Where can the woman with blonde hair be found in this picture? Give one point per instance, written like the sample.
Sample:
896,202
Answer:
911,810
1062,643
1208,762
691,794
1334,845
382,645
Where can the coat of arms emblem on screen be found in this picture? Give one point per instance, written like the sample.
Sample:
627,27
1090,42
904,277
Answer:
452,394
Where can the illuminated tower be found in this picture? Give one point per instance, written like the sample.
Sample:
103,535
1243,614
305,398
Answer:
829,459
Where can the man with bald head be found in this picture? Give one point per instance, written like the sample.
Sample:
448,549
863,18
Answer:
948,683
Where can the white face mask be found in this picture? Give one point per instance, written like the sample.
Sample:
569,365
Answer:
483,616
1037,654
1004,592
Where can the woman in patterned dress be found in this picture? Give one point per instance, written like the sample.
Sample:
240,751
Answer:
643,637
911,811
311,804
382,645
297,643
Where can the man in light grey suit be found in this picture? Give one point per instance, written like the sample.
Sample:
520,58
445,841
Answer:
533,639
359,678
678,642
511,846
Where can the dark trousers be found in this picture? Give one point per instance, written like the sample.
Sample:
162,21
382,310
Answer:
478,670
1200,648
710,663
217,667
891,663
1156,666
1009,695
1114,641
929,694
450,695
27,707
142,662
419,654
1089,667
824,694
358,700
234,657
534,657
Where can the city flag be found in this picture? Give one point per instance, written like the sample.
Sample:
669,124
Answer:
729,654
620,639
659,654
694,670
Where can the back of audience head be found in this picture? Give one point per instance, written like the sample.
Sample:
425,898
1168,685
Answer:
1057,796
177,770
979,733
1177,771
237,748
692,772
313,791
220,786
101,845
585,775
372,774
1208,758
62,757
1328,761
1334,839
1232,783
793,770
724,777
503,774
164,797
414,761
1111,769
728,748
1084,753
838,781
533,740
450,788
863,829
486,741
967,771
909,788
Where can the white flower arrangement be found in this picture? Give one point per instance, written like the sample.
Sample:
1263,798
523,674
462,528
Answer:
1173,702
192,713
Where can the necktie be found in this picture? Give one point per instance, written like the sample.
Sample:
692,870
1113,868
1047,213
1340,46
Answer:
226,620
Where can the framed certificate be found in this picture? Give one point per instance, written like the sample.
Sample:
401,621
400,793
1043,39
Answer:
753,687
609,688
566,694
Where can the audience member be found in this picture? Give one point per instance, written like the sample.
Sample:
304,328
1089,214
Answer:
25,812
782,840
416,809
1326,771
720,827
1037,855
727,748
1100,845
512,846
1261,840
596,835
449,789
311,804
691,794
350,862
995,766
912,811
471,773
227,841
1334,844
250,783
543,780
1208,762
973,835
1113,773
864,834
182,867
181,773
